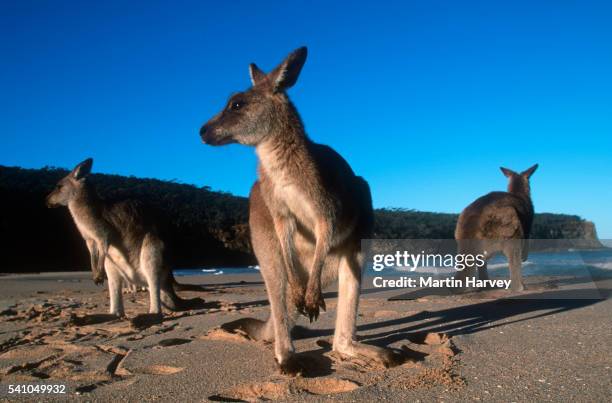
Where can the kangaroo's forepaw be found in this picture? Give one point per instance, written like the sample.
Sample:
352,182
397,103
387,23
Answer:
314,302
98,280
300,305
298,300
291,366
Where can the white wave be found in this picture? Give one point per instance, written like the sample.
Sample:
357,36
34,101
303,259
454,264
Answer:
255,267
602,265
208,270
504,265
497,266
219,272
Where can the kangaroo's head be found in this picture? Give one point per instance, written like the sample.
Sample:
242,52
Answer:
264,110
70,186
519,183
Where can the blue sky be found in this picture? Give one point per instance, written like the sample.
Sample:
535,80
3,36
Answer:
425,99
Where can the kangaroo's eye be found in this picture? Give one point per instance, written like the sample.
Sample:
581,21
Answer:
236,105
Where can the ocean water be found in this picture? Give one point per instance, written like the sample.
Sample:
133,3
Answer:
213,271
579,263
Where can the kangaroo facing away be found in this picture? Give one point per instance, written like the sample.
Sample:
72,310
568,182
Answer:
308,214
499,222
123,242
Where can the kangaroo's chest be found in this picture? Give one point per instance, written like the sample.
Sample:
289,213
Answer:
86,228
289,198
286,188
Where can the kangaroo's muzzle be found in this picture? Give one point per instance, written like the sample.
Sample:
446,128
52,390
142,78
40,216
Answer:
50,204
203,130
210,136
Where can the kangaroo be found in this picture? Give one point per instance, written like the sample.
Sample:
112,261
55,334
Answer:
499,222
308,212
123,243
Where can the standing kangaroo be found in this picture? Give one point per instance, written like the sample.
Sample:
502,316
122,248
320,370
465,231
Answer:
123,242
499,222
308,214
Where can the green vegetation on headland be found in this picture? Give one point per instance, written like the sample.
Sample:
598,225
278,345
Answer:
207,228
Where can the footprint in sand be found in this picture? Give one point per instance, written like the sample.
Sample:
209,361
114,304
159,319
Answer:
173,342
92,319
283,389
220,334
157,370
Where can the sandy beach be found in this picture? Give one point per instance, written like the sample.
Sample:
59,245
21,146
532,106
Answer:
492,345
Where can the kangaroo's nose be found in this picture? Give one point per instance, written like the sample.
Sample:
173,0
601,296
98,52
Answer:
203,132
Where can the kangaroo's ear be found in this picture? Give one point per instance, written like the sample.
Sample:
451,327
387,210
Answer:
256,74
286,74
528,172
507,172
83,169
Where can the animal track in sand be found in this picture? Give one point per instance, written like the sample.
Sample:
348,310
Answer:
429,361
220,334
63,340
157,370
275,390
172,342
385,314
435,338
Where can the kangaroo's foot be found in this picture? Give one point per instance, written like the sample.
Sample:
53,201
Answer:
314,301
146,320
379,355
292,365
518,286
117,312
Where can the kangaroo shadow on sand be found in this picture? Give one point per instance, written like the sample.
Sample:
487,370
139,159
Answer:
461,320
468,319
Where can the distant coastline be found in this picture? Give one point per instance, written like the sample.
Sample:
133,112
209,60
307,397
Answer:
206,228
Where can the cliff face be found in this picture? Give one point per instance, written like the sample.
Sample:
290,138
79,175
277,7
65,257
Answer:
589,231
558,226
206,227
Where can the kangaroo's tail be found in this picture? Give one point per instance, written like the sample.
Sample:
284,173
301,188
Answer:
256,329
172,301
186,287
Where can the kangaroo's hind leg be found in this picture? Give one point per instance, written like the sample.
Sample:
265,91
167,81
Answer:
515,257
115,285
464,247
151,266
483,273
268,249
349,284
281,321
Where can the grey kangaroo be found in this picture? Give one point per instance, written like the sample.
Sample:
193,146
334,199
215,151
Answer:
499,222
308,214
123,242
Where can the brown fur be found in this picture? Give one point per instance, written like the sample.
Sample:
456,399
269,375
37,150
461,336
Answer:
308,211
123,240
499,222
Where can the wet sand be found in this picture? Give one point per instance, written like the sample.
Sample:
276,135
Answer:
480,346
